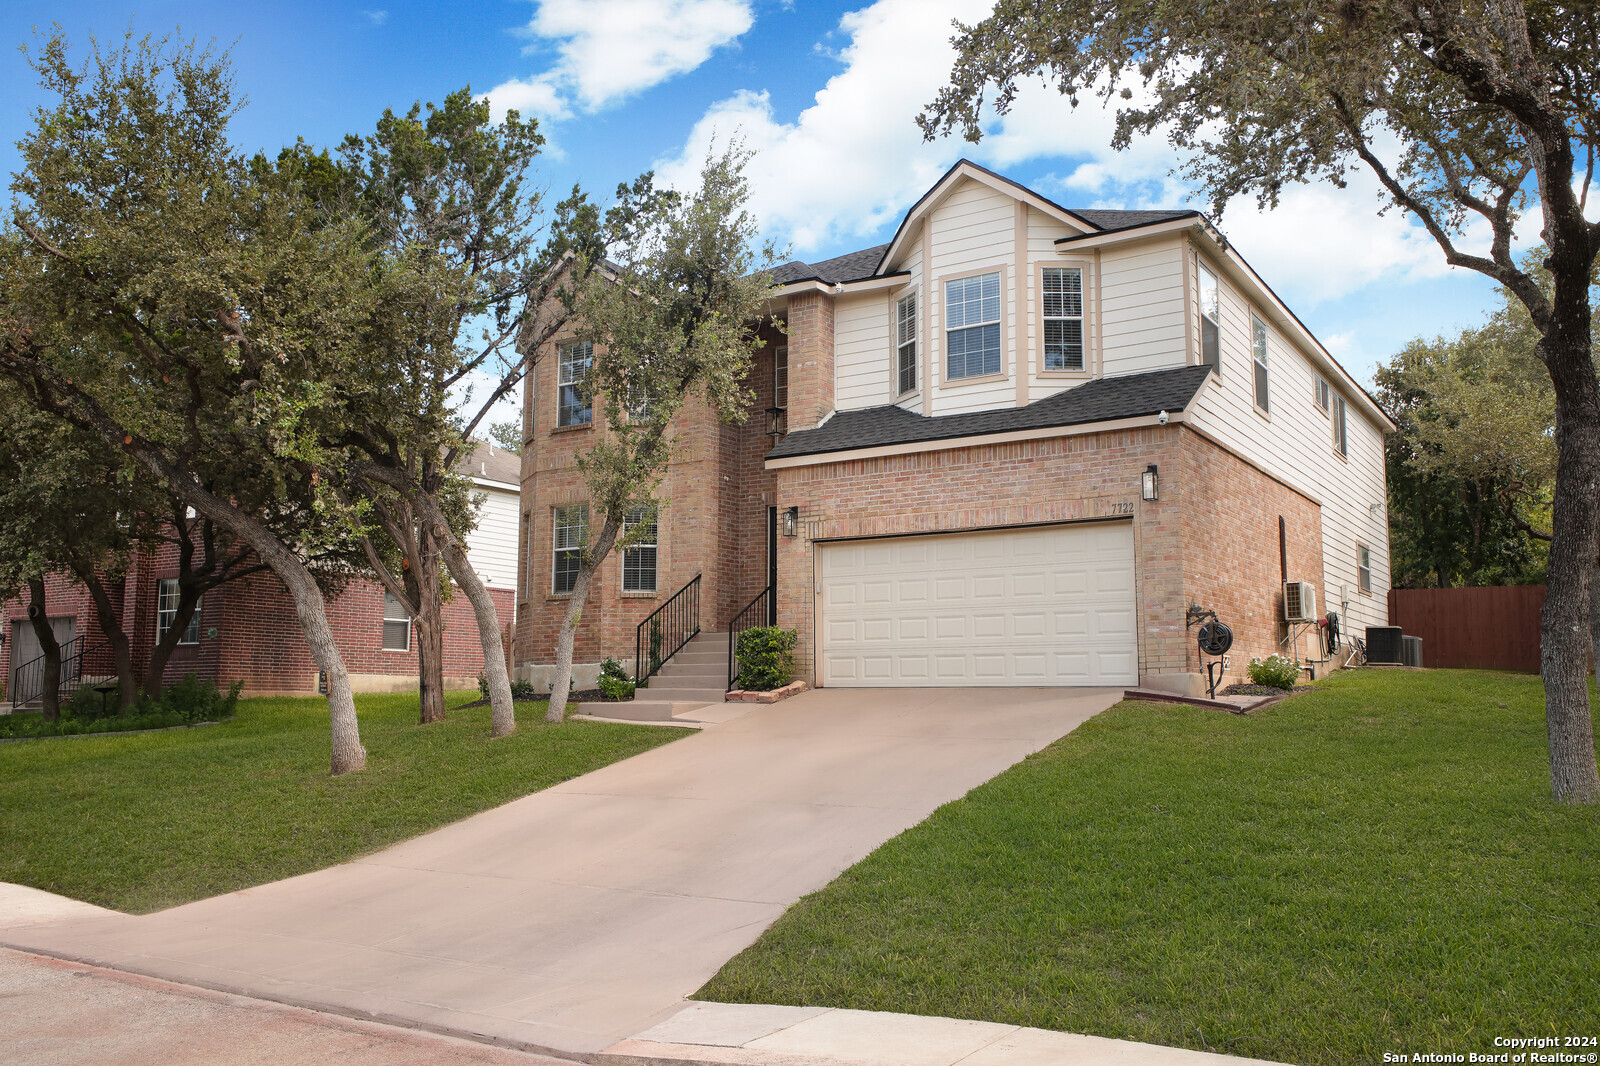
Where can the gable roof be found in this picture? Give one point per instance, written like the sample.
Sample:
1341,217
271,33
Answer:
1099,400
852,266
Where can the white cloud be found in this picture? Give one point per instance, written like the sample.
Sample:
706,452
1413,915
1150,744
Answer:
609,50
377,18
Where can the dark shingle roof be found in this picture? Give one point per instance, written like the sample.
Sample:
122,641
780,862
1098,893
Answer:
1115,220
852,266
1100,400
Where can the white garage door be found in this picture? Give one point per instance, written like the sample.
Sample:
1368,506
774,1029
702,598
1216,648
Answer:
1045,605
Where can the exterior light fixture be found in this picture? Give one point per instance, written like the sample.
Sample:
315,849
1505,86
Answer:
777,424
1150,483
791,521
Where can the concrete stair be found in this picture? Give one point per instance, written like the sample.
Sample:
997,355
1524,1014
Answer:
692,679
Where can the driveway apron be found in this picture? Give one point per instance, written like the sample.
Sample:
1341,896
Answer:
576,916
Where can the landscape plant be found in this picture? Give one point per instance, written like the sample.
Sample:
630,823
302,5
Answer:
766,658
1275,671
615,684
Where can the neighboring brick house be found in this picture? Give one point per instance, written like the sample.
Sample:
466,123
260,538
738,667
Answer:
960,496
246,630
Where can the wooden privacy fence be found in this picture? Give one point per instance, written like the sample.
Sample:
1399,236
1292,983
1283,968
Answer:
1494,628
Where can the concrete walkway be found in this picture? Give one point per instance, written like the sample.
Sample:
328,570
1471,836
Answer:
573,918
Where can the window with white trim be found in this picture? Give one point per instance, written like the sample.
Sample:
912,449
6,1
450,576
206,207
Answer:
639,560
572,367
1063,318
972,326
571,534
1210,320
396,624
1363,568
167,596
906,343
1341,435
1258,345
1324,394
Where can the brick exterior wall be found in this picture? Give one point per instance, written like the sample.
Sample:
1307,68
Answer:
811,359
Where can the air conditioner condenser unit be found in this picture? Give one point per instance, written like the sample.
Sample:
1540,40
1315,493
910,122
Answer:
1299,602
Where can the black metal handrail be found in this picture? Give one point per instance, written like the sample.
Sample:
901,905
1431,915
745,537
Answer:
27,680
761,611
669,627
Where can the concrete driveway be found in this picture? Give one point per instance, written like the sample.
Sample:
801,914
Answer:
571,918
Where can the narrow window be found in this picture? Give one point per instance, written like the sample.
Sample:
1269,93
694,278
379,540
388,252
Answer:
396,624
1258,330
780,377
573,365
1063,318
1363,568
972,321
167,612
906,343
1341,438
526,585
1323,393
639,561
571,534
1210,320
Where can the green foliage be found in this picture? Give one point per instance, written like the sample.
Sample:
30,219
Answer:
520,690
615,684
766,658
1275,671
186,702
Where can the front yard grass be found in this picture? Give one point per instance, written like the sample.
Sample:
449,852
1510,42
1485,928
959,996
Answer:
1375,866
140,823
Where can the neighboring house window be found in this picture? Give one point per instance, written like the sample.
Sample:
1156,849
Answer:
972,322
780,377
1363,568
1210,320
639,561
571,532
572,367
396,624
1324,399
1258,340
1063,318
1341,436
906,343
167,612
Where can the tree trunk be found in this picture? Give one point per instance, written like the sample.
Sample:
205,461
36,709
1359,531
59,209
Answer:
422,584
569,625
503,713
155,675
121,649
50,686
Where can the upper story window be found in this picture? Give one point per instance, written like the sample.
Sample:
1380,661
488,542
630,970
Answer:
1258,344
639,561
906,343
1210,320
1363,568
780,376
167,613
972,324
396,624
1063,318
1324,394
571,534
1341,435
572,367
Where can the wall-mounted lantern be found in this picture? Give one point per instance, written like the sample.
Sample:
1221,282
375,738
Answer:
791,521
1150,483
777,424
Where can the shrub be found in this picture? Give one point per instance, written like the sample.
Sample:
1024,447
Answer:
185,702
614,682
1276,671
766,658
520,690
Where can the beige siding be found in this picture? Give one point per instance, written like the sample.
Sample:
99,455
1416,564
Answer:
863,342
1142,307
492,547
972,233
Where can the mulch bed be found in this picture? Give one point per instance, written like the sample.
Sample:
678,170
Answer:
587,695
1262,690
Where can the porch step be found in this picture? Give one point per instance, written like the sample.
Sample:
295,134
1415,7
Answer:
640,710
702,677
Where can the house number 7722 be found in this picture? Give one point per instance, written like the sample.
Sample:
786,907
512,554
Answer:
1118,508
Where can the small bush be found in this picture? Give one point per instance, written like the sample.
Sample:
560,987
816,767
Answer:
766,658
185,702
520,690
1276,671
614,684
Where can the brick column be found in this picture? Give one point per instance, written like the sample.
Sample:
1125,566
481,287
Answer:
810,358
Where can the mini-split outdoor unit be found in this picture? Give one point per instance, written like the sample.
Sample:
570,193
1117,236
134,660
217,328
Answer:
1299,602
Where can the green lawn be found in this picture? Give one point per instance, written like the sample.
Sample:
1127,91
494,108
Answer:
144,822
1374,866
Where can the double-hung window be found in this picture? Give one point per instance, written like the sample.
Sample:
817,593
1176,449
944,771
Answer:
972,324
906,343
1258,344
167,613
396,624
1341,436
639,559
571,534
1063,318
1210,320
572,367
1363,568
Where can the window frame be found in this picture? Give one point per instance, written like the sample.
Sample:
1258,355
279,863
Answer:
558,548
997,324
400,615
525,578
1082,318
563,373
1340,416
1213,318
1363,569
1260,377
1322,394
905,348
165,616
653,546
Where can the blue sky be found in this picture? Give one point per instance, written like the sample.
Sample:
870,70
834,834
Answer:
826,93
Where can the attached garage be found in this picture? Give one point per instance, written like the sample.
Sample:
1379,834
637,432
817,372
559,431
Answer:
1037,605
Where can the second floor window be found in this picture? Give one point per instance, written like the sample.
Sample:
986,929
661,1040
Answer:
972,325
1063,319
571,534
905,337
396,624
1323,393
1341,435
1210,320
1258,341
780,377
167,613
1363,568
639,561
572,367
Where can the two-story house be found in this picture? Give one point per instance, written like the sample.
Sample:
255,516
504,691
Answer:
1011,447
